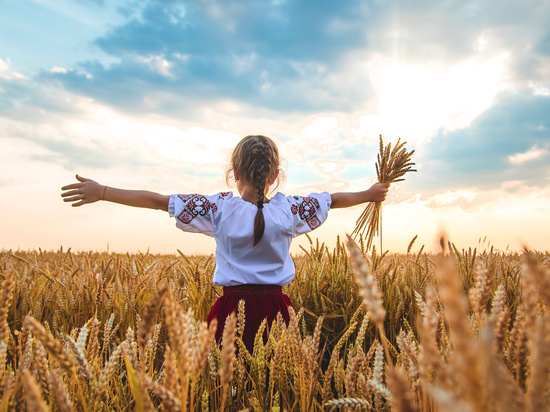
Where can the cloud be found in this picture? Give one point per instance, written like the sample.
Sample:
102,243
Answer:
319,130
57,69
532,154
494,149
287,30
4,65
74,132
6,73
264,53
158,64
298,57
336,74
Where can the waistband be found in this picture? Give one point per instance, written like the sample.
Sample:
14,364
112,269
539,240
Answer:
227,290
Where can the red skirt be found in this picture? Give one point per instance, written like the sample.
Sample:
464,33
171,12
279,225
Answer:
260,302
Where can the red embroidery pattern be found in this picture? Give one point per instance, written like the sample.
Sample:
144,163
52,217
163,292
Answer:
307,210
193,206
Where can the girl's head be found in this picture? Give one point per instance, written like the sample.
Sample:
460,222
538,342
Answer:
255,160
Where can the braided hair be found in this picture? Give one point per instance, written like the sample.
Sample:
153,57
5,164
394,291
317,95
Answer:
256,160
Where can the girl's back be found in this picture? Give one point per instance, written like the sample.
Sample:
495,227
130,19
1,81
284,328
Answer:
230,220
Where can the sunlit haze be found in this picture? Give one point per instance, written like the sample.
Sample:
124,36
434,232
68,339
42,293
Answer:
154,95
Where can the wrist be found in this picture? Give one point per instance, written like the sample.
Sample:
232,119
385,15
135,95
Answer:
369,195
104,190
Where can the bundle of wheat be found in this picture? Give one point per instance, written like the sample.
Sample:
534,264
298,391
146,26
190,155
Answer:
390,168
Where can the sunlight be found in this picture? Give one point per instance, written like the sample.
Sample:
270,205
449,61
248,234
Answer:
416,101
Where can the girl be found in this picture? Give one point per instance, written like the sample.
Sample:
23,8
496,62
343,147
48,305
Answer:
253,233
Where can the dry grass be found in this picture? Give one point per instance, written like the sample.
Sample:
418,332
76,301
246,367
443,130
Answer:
99,332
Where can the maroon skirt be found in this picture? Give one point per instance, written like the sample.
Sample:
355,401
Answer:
260,302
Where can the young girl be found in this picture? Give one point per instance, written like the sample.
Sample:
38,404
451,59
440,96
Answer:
253,233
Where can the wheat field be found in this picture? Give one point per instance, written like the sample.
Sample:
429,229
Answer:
461,330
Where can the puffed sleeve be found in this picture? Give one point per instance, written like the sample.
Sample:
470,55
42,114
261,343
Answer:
309,212
196,213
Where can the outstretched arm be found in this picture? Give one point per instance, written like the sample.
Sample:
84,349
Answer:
376,193
89,191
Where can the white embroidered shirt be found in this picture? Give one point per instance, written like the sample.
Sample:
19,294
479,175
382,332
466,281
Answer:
230,220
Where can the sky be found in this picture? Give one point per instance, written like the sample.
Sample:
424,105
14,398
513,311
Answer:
154,94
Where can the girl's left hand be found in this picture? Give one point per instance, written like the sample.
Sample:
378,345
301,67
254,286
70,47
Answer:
87,191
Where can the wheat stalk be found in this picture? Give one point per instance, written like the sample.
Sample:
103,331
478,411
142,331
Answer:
227,355
391,166
33,394
148,317
59,391
52,345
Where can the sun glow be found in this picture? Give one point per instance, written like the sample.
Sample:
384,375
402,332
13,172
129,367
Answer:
415,101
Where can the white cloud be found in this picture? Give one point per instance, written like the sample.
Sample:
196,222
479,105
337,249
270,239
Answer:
328,167
6,73
4,65
57,69
452,197
511,184
182,57
532,154
539,90
158,64
320,130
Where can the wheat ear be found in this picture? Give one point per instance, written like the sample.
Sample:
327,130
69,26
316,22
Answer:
33,394
52,345
227,355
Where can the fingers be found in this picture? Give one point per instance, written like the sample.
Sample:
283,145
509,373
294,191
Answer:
74,198
76,185
72,186
71,193
82,179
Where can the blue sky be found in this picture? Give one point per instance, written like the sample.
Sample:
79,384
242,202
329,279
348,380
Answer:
154,94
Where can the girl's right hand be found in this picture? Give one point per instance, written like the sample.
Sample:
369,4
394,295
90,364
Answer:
379,191
87,191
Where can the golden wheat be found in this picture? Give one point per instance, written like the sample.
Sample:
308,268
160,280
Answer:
391,166
468,330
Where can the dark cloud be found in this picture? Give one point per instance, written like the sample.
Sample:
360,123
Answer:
22,99
543,46
276,56
479,155
291,30
284,55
